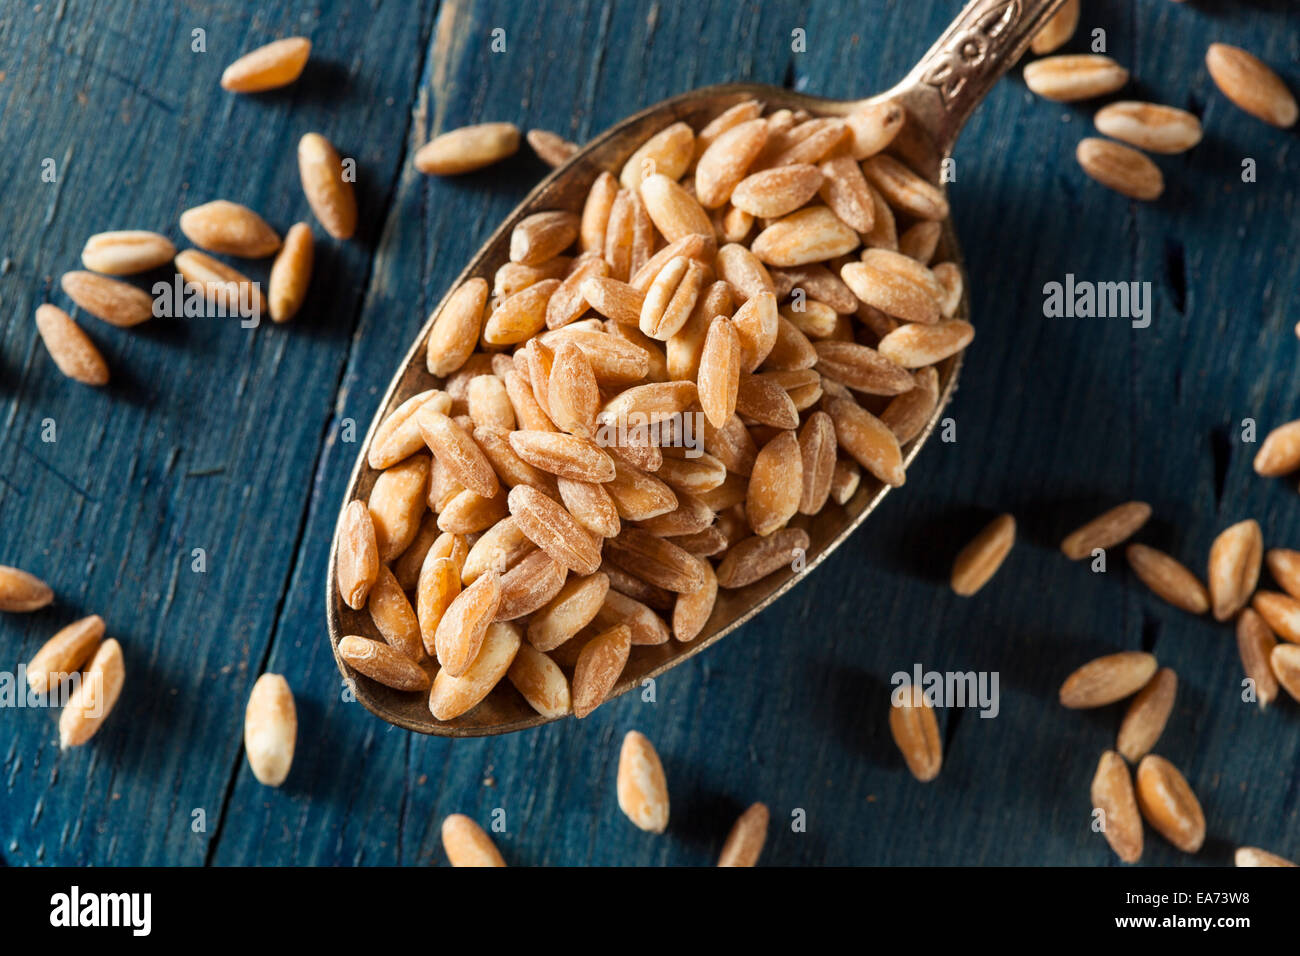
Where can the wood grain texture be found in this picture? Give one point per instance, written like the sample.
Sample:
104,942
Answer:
233,440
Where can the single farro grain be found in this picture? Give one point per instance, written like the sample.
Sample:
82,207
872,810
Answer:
291,273
1168,578
1112,794
357,555
270,729
1150,126
91,702
1120,168
979,560
915,730
21,591
467,149
116,302
1145,719
452,696
540,681
1070,77
269,67
1235,559
466,844
598,667
551,148
1106,530
71,348
1251,84
382,663
327,186
1107,679
393,617
1255,643
1169,805
229,228
641,785
63,654
126,252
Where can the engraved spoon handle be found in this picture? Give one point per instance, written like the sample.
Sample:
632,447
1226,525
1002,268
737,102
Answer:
987,39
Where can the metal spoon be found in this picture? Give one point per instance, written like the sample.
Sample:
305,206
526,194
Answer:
939,94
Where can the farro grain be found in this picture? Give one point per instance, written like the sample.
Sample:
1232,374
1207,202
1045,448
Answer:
329,191
71,348
467,149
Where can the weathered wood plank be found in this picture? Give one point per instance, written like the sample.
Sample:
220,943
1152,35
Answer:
209,434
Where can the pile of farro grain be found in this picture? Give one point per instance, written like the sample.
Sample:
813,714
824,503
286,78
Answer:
768,278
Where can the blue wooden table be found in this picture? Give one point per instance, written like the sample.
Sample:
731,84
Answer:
232,440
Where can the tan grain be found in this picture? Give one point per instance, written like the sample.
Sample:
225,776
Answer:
1058,29
1285,662
756,557
224,286
868,440
1120,168
1145,719
270,729
641,786
1077,76
466,149
979,560
1251,84
668,153
357,555
91,702
1279,454
551,148
1112,794
63,654
466,844
540,682
1107,679
1169,805
1235,559
1106,530
1149,126
1168,579
1255,643
126,252
915,730
229,228
109,299
599,665
21,591
72,349
452,696
329,192
903,189
397,503
291,273
269,67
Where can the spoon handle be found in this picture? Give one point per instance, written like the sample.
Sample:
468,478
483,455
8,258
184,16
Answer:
987,39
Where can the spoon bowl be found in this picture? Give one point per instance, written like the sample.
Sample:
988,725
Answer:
937,96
